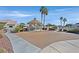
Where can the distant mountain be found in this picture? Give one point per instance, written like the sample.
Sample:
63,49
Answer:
8,21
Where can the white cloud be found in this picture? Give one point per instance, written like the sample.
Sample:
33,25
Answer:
14,14
65,9
18,15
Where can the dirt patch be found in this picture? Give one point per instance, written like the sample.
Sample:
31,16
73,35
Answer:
1,36
43,39
5,43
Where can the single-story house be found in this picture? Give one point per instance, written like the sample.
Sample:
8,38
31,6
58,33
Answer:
10,24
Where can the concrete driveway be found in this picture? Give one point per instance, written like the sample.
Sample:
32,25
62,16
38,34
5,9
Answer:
23,46
20,45
68,46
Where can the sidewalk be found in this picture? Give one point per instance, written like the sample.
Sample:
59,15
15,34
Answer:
20,45
69,46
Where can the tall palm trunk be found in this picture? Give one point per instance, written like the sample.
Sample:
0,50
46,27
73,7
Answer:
41,21
61,25
64,24
44,21
61,22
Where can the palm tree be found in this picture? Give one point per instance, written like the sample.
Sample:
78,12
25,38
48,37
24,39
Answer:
44,12
61,22
64,21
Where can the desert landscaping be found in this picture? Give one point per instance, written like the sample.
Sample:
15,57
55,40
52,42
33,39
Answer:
31,31
45,38
5,45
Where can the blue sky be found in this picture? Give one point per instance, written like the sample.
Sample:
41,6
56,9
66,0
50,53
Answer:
27,13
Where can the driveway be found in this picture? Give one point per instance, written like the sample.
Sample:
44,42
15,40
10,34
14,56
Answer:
23,46
20,45
68,46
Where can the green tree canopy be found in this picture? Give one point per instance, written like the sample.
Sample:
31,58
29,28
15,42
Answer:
22,25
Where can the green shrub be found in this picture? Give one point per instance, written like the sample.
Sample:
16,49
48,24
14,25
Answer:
18,29
51,27
73,31
54,27
2,25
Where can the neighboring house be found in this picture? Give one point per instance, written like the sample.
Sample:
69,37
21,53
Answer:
10,24
72,26
34,24
77,25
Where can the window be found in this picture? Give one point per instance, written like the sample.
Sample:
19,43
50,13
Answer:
10,26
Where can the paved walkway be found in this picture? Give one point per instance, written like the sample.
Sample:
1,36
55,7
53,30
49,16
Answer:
69,46
20,45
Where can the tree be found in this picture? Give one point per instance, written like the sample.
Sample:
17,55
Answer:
22,25
51,26
44,12
61,23
19,27
64,21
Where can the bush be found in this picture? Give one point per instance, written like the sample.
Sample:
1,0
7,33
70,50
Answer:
44,28
64,30
17,29
1,25
51,29
54,27
73,31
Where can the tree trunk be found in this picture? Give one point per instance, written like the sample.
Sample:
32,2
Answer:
61,25
44,21
41,21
